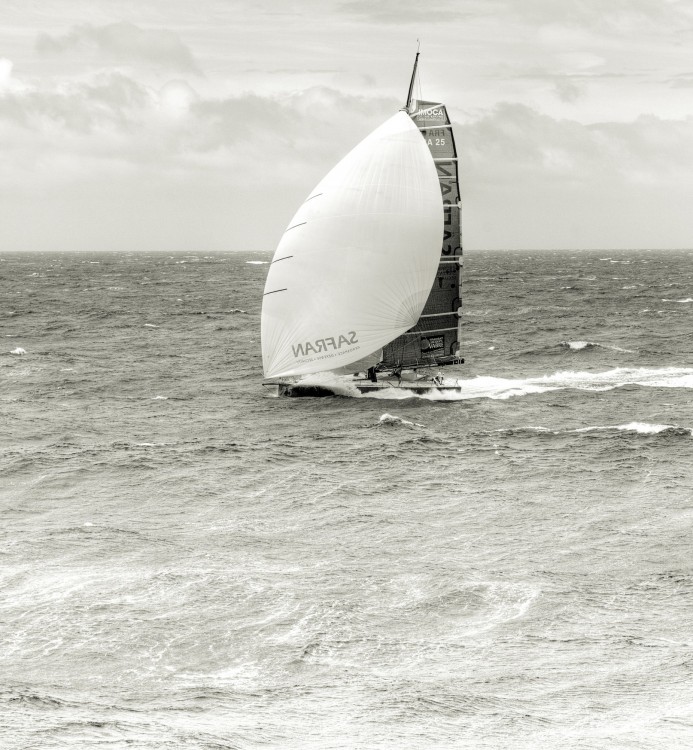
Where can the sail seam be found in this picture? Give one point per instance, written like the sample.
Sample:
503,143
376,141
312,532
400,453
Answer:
295,225
274,291
286,257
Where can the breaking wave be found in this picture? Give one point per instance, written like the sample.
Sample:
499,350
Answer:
579,345
391,419
640,428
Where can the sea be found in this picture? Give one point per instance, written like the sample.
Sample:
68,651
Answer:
188,561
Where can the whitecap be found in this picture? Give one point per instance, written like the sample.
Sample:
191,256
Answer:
642,428
159,398
578,345
150,325
18,350
392,419
257,262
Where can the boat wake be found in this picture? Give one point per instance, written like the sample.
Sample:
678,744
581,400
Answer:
504,388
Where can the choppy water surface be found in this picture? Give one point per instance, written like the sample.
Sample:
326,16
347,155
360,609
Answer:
188,562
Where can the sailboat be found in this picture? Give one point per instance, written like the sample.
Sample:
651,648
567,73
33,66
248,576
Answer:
363,291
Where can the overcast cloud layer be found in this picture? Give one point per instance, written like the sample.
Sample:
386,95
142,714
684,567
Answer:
200,127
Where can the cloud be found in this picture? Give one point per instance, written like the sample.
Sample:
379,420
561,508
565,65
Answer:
171,166
112,161
415,11
535,181
684,81
598,15
123,43
110,101
590,14
5,72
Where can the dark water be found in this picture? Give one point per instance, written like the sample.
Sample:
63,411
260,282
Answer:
187,562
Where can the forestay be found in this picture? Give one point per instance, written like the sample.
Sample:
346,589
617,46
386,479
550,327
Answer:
355,266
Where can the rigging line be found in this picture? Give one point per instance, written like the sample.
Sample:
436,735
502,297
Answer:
274,291
286,257
427,331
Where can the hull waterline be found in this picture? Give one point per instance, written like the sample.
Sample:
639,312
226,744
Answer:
316,390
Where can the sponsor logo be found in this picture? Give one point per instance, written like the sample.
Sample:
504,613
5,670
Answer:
431,344
328,344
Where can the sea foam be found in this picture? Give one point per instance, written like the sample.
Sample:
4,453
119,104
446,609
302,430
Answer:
643,428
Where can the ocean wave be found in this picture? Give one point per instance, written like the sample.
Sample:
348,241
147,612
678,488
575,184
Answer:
257,262
391,419
642,428
19,351
688,299
579,345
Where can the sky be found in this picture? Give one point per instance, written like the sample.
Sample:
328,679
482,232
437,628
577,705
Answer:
172,125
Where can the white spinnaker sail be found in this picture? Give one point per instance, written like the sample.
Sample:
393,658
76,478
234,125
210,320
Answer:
356,264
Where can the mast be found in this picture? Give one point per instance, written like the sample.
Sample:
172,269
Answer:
411,84
435,339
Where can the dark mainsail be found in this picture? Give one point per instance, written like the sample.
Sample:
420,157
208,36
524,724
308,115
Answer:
434,340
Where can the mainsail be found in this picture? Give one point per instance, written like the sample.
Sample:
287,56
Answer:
354,268
434,340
